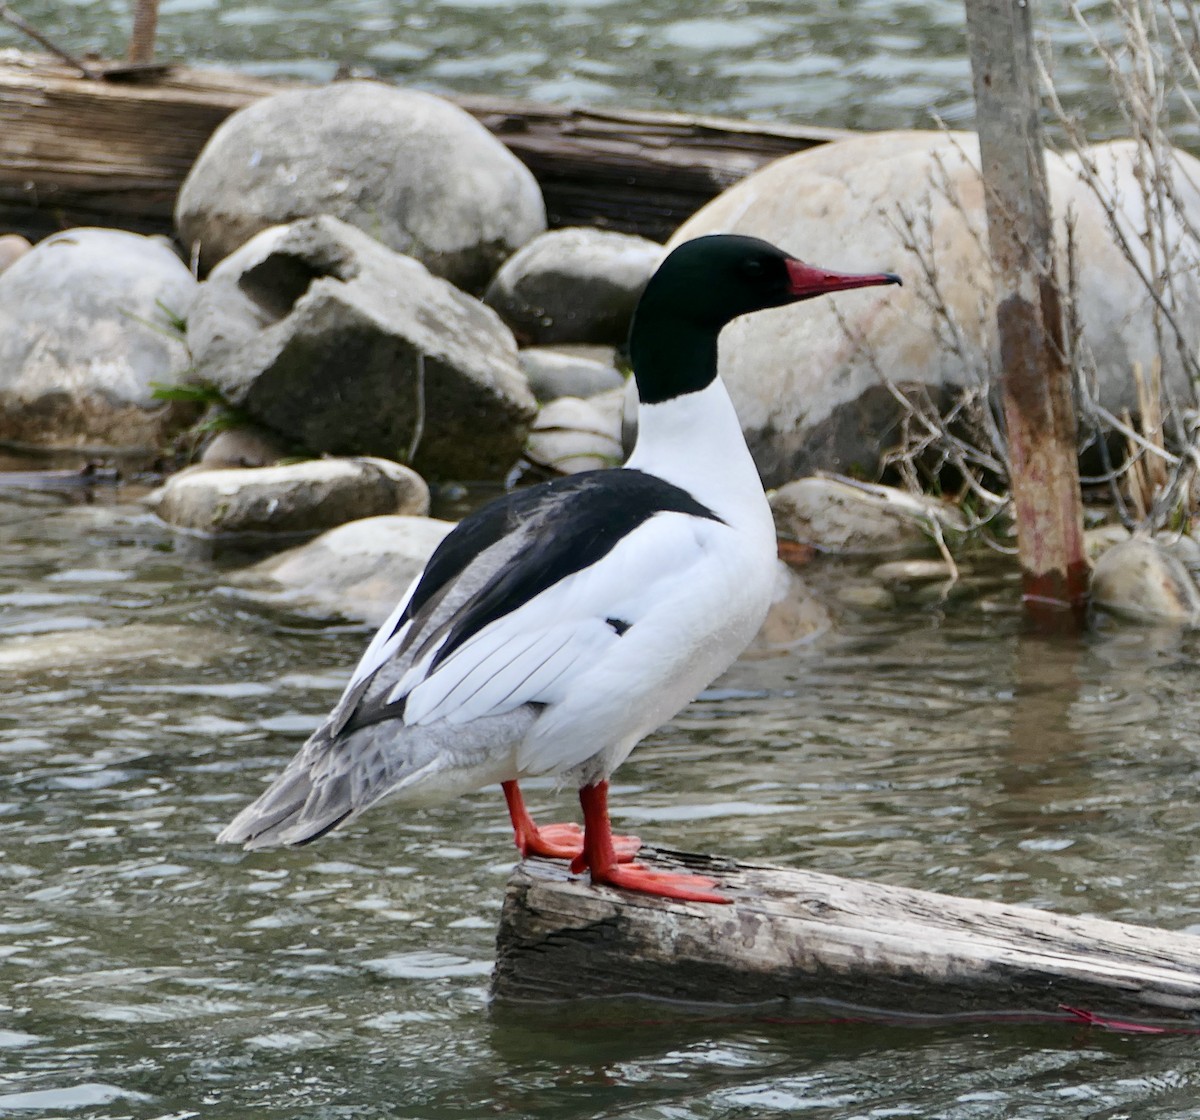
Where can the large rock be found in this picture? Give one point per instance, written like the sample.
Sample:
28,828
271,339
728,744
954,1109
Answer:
808,382
331,340
294,498
574,285
86,330
358,570
414,171
838,517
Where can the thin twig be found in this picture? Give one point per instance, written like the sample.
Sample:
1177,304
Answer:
23,25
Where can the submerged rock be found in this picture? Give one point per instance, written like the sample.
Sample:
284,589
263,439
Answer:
110,647
574,285
1143,580
796,615
909,573
88,327
358,570
296,498
336,343
412,170
835,516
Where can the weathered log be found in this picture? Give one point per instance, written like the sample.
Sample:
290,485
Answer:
801,935
75,151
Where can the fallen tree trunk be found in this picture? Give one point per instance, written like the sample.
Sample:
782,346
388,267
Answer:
75,151
802,935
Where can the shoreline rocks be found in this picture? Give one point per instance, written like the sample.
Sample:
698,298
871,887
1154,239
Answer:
358,570
88,328
296,498
328,338
412,170
573,285
810,387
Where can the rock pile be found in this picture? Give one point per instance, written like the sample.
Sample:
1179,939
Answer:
379,288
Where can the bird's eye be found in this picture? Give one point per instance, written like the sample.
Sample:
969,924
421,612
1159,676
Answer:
752,268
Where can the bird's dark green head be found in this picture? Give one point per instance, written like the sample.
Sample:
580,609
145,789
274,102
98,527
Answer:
704,284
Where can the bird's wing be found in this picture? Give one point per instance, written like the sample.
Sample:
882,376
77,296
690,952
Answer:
481,634
541,650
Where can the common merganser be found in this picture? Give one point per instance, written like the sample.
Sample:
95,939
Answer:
557,626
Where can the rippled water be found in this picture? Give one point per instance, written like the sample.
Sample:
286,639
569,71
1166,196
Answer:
146,972
865,64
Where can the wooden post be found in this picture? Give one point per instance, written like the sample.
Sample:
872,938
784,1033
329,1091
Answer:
145,29
801,935
1036,382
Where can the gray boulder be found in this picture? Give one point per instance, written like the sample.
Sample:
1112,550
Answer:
846,519
327,338
808,383
552,374
574,285
86,330
295,498
358,570
416,172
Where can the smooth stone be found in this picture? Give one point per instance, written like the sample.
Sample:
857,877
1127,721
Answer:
808,382
12,248
295,498
834,516
358,570
574,285
865,597
553,374
908,572
1142,580
242,447
86,333
326,337
412,170
572,435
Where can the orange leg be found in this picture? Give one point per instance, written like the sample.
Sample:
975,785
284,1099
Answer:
600,857
555,841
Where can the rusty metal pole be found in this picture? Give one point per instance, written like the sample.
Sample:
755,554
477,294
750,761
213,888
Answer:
1036,385
145,29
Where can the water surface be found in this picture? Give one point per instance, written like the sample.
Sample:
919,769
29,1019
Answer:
147,972
866,64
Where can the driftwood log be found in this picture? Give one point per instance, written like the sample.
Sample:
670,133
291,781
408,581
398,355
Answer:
74,150
800,935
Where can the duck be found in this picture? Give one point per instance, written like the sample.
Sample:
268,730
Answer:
557,626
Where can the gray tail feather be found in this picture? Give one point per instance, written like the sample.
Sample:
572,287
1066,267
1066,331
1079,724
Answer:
292,811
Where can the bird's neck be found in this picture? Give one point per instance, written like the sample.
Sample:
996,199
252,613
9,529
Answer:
695,441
